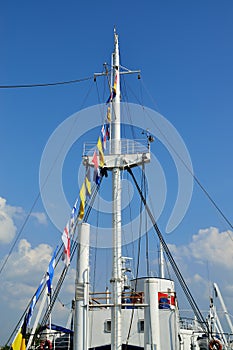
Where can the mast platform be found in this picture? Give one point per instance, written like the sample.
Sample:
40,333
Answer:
129,153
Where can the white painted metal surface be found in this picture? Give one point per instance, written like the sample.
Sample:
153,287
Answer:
82,289
116,279
151,318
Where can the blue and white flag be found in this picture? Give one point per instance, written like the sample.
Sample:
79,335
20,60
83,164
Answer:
73,215
50,271
34,301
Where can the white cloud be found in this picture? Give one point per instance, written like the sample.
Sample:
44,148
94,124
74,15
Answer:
28,263
41,217
21,278
8,215
7,225
25,269
207,245
206,259
23,274
212,246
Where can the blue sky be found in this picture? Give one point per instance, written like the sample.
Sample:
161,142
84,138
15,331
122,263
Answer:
185,52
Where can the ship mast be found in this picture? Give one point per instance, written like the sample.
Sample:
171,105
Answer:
116,280
116,162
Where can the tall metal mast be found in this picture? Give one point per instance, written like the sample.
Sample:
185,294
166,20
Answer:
133,155
116,341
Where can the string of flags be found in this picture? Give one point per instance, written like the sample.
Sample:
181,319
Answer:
50,271
66,241
19,342
113,92
68,233
98,163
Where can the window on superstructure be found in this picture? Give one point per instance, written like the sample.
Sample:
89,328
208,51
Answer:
141,326
107,326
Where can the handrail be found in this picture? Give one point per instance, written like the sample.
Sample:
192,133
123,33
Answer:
125,146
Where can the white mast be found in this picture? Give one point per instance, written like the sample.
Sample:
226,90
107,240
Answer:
82,289
116,340
115,162
161,261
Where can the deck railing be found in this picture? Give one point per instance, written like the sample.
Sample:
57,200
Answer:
103,299
123,146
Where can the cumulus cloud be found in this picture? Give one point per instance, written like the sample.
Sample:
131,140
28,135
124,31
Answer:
41,217
21,278
206,259
28,261
7,225
8,216
218,246
23,273
209,245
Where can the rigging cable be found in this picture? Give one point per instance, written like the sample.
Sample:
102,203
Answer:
145,195
26,309
100,105
124,241
137,267
95,254
73,249
147,237
42,188
20,86
124,94
178,274
59,283
62,277
28,216
196,179
94,269
130,220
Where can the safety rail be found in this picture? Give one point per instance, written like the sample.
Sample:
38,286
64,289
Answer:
103,299
123,146
52,341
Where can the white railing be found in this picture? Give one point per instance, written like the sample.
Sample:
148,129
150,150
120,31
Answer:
124,146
